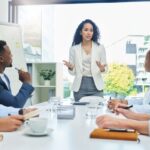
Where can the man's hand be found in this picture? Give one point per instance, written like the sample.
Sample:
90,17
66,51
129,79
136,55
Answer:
24,77
11,123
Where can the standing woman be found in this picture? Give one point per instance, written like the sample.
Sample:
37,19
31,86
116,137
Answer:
87,61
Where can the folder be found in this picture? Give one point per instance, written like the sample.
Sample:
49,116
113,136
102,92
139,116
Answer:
115,135
1,137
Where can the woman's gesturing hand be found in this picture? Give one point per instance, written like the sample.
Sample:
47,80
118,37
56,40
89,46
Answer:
101,66
68,64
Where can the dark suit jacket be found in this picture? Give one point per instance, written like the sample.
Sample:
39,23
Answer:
17,101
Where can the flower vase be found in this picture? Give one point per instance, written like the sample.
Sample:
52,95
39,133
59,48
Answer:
47,82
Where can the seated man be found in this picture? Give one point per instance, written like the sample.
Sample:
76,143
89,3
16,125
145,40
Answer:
139,105
11,123
137,121
6,97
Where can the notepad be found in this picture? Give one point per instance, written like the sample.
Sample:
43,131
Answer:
31,114
1,137
111,134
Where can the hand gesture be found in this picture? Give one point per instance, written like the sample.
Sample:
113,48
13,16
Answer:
24,77
101,66
68,64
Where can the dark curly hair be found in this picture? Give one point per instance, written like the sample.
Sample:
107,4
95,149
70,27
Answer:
78,37
2,44
147,61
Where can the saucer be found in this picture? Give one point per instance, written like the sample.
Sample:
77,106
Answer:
31,133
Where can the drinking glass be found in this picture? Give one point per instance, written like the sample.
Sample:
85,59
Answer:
53,104
92,110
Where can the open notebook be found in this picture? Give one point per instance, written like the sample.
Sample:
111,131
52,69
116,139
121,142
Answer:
112,134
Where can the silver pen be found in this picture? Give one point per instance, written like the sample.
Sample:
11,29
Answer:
17,68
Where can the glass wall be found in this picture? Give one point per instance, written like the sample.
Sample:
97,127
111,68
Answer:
49,29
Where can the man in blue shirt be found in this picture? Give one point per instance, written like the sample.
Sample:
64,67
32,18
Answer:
6,97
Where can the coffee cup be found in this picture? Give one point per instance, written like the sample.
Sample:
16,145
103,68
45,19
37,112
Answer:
38,125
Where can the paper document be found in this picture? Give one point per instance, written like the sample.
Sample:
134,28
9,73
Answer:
31,114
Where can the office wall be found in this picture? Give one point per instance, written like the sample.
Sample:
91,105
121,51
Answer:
15,44
4,10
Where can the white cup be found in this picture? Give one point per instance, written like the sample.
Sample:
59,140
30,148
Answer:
38,125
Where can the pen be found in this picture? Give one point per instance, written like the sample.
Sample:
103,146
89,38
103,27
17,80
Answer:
17,69
126,107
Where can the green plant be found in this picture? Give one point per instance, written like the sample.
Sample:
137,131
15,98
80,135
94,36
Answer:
47,74
119,80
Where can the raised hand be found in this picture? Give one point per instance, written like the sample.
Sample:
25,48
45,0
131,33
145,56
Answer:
24,76
101,66
68,64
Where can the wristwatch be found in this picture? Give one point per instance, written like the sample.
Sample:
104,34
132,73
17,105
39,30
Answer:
21,111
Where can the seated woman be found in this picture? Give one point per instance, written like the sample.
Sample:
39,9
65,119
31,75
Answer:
137,121
139,105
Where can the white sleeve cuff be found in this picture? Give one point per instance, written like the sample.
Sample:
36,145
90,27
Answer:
149,127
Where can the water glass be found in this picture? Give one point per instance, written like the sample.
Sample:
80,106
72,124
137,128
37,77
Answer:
92,111
53,104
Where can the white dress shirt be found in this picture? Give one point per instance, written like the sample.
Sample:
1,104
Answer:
149,127
4,79
5,111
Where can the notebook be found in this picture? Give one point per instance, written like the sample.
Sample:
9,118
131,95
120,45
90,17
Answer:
114,134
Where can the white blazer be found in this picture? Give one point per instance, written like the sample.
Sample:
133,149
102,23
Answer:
75,57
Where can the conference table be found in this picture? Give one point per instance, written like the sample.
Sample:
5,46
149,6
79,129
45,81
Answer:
70,134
